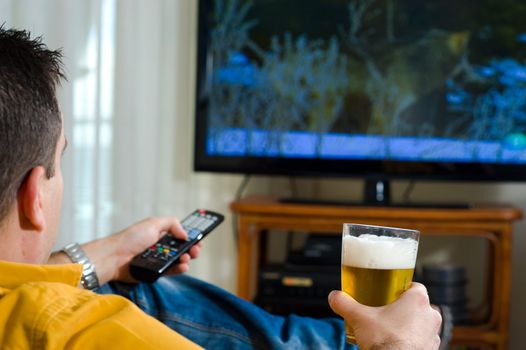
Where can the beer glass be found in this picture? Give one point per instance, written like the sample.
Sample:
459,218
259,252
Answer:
377,264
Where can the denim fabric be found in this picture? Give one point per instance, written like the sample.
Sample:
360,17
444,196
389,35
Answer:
216,319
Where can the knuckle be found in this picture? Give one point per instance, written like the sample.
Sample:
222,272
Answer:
418,288
437,318
437,342
422,297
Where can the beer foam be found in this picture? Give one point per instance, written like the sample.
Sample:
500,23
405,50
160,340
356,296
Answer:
379,252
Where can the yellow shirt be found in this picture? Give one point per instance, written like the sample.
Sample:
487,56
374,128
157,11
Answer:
41,308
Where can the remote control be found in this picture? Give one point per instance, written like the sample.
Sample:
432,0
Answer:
154,261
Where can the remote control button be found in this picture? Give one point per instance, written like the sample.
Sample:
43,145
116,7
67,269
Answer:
185,221
203,226
192,233
191,221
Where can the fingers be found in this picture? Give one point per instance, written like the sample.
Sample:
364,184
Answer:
415,286
417,290
345,306
417,296
182,266
410,320
194,251
178,269
417,293
170,224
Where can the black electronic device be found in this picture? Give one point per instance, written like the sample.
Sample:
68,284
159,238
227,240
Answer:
298,289
319,249
446,285
369,91
301,285
154,261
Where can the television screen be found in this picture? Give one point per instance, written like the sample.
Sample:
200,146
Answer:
391,88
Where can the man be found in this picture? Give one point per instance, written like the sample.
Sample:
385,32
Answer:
43,306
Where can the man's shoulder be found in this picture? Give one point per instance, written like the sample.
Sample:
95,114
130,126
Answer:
55,299
45,294
44,304
47,314
42,293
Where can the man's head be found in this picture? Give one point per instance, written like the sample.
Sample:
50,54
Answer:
31,137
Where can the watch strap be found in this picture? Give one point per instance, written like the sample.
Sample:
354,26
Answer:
89,279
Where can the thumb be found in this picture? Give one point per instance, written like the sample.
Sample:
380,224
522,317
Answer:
171,225
347,307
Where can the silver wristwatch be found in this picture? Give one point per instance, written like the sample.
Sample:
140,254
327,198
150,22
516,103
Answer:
89,279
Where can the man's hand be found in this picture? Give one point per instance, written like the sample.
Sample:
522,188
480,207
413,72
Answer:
112,255
136,238
408,323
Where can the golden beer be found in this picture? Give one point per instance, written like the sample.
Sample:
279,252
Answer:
375,287
377,264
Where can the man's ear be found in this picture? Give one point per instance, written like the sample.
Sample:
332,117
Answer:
30,199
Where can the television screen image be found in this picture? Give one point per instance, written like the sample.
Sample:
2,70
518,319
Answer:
396,88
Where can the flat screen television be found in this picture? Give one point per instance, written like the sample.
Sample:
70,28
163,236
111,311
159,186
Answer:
376,89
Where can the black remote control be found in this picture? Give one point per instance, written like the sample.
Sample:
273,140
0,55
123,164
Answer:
154,261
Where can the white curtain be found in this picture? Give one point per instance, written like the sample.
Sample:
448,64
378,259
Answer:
128,108
154,126
85,32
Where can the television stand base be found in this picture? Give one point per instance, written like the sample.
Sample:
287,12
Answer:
377,193
329,202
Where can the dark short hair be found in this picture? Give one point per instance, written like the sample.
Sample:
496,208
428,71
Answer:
30,120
